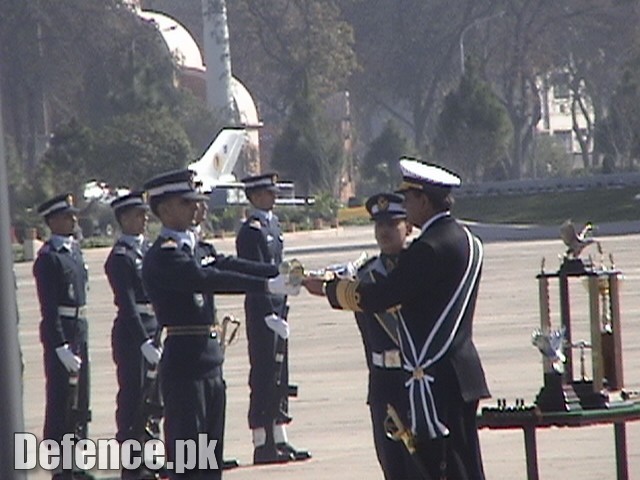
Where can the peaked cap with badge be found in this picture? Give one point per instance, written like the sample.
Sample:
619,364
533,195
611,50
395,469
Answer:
417,175
60,204
385,205
267,181
135,199
180,183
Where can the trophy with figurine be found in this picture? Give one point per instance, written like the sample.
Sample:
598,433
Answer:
602,387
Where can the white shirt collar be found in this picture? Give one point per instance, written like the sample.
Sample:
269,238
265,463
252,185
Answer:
62,241
433,219
266,214
134,241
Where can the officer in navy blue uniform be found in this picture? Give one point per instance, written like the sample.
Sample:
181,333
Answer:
206,255
135,326
260,239
61,280
380,334
191,367
433,290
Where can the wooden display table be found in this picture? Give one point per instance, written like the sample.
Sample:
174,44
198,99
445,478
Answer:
530,420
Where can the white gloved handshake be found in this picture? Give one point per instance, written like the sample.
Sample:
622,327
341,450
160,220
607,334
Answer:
71,361
278,324
151,353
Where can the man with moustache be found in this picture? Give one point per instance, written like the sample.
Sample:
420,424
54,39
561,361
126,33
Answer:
433,290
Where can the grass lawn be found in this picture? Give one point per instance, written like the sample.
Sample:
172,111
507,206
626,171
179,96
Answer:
596,205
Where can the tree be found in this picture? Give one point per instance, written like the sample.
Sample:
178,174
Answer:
535,37
65,165
409,54
474,131
133,147
379,167
595,48
46,50
616,135
282,47
308,150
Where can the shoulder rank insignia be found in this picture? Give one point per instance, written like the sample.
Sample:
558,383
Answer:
119,250
170,244
255,223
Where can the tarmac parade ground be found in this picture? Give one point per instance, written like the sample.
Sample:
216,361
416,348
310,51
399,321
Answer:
327,363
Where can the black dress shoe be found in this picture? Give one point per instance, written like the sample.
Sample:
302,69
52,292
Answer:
141,473
269,454
230,463
82,475
295,454
77,475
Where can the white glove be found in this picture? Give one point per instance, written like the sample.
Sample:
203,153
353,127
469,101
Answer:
70,361
278,324
280,286
347,271
151,353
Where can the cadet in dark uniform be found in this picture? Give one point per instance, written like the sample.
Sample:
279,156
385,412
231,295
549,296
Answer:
191,366
61,280
381,337
206,255
135,326
435,286
260,239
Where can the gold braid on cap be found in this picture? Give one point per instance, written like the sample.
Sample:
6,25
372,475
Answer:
406,185
347,295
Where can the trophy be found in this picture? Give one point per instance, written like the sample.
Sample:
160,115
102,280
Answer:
550,343
561,392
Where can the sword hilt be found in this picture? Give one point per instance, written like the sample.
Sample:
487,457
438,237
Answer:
397,431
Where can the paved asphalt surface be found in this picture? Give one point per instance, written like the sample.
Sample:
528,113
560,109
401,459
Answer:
330,415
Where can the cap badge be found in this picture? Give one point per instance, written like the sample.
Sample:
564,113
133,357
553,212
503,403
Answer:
383,204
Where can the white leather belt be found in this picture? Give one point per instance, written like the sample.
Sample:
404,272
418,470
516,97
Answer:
72,312
387,359
145,308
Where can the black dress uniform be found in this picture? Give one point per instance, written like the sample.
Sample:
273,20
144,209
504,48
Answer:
380,337
135,322
260,239
435,285
62,280
191,367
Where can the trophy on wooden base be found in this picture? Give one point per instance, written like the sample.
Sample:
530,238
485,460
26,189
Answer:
561,390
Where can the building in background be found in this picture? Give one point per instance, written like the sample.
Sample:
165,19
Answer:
557,101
